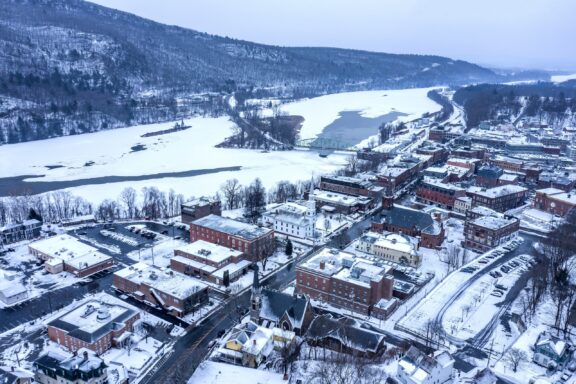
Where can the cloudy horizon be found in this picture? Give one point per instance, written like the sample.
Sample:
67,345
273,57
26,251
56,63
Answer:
533,34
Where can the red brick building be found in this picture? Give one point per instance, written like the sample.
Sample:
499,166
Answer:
442,194
345,281
555,201
349,186
487,232
411,222
210,262
198,208
500,199
253,241
94,325
175,293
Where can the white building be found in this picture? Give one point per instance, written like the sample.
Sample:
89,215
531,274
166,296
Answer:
12,292
293,219
418,368
393,247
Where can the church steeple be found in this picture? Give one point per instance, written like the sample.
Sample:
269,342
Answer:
256,299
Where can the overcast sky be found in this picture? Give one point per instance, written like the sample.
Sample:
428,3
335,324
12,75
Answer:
504,33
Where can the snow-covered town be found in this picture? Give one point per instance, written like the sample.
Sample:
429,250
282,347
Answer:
402,219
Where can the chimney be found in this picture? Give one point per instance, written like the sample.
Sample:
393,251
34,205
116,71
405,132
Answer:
438,217
85,354
387,202
322,265
254,342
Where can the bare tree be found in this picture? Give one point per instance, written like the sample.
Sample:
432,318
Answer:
128,199
514,357
232,190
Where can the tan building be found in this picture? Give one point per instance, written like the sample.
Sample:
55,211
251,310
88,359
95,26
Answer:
394,247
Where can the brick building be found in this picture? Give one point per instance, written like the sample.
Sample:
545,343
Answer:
346,281
408,221
565,181
174,292
488,176
555,201
500,199
469,153
437,153
198,208
93,324
210,262
487,232
66,253
349,186
253,241
431,191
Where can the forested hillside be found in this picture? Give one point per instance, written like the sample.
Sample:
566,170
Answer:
69,66
552,103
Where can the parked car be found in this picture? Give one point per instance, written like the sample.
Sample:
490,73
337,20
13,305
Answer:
497,294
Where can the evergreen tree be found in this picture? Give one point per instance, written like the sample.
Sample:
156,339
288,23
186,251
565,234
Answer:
289,247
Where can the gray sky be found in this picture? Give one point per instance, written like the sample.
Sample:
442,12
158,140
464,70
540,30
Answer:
505,33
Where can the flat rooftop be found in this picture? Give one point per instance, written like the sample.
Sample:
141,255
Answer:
500,191
209,251
93,319
173,283
64,247
232,227
493,222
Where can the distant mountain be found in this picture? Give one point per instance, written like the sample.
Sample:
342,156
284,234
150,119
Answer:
69,66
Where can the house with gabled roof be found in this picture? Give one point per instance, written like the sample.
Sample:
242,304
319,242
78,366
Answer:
400,219
550,350
345,335
416,367
271,308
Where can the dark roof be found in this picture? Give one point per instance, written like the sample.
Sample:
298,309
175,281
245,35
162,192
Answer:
347,331
7,377
490,172
407,218
277,303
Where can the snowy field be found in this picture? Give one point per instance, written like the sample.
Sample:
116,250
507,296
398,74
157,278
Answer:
562,78
321,111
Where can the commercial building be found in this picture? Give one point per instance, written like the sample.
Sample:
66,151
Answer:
488,175
174,292
444,195
484,233
397,248
555,201
210,262
94,324
255,242
500,199
66,253
199,208
350,186
344,280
